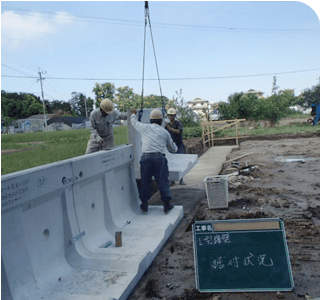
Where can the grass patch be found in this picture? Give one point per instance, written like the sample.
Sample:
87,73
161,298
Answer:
297,128
59,145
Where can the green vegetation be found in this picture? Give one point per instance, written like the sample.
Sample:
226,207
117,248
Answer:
55,146
250,107
191,132
296,128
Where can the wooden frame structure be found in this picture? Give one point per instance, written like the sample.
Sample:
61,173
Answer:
208,131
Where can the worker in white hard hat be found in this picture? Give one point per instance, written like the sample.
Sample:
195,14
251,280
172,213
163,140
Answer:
102,120
153,161
175,128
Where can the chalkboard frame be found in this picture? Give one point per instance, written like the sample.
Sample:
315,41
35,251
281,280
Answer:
252,230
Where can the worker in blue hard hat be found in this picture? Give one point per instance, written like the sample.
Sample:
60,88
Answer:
175,128
102,120
153,161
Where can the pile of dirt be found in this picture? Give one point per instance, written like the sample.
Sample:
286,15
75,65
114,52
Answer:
281,180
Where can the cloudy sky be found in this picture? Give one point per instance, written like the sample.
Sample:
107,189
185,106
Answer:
209,49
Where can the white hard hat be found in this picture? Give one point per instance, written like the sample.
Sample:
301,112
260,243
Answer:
156,114
107,106
171,111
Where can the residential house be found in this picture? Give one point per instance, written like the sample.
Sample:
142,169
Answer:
199,106
258,93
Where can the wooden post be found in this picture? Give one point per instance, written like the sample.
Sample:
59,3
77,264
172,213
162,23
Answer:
208,133
203,139
237,142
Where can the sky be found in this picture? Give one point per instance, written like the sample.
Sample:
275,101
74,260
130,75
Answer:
207,49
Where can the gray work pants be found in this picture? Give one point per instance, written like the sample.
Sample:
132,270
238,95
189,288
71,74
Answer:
94,146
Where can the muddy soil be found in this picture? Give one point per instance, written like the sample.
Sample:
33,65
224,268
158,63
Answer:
273,187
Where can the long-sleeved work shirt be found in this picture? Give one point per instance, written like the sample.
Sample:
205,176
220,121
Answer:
102,126
154,137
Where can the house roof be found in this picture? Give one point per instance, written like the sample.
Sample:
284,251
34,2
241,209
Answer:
39,117
198,100
67,120
251,91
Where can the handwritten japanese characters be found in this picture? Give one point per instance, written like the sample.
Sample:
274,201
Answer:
251,260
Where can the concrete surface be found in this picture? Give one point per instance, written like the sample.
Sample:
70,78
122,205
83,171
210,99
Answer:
58,225
209,164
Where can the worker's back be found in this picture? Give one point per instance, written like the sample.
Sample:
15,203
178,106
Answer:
154,137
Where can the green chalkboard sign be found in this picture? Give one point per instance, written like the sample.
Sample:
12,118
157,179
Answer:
241,255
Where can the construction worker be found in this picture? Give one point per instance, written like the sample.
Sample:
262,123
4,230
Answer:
102,120
153,161
175,129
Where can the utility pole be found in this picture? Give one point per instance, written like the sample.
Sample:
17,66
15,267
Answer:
44,107
85,104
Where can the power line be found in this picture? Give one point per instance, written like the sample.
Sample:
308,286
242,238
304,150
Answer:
14,69
171,25
173,79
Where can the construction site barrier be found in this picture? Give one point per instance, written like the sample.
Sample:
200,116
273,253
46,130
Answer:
179,164
59,223
209,129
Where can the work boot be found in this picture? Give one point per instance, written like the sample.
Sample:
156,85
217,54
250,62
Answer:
182,182
144,207
167,207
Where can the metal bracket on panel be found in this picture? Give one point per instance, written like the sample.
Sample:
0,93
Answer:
68,180
77,237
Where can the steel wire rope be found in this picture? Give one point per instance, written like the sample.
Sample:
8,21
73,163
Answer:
147,18
155,58
143,63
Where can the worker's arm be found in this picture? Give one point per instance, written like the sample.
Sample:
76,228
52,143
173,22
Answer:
136,124
176,131
94,129
120,116
171,145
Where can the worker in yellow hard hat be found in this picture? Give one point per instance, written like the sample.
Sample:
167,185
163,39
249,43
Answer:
153,161
175,128
102,120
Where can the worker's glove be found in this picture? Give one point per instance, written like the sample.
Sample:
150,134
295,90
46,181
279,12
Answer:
100,141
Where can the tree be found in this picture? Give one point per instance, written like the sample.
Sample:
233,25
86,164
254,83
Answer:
126,98
310,96
60,108
274,86
79,102
19,106
230,110
249,107
185,114
102,91
153,101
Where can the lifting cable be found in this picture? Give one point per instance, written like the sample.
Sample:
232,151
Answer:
146,19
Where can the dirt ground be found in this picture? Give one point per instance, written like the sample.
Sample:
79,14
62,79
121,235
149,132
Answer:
269,186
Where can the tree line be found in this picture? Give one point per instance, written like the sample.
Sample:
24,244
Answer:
272,108
23,105
239,105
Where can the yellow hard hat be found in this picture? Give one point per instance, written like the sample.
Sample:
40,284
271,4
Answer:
171,111
107,106
156,114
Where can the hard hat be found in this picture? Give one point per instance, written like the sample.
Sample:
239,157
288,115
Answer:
171,111
107,106
156,114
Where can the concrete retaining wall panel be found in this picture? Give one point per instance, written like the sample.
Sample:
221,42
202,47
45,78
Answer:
59,223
